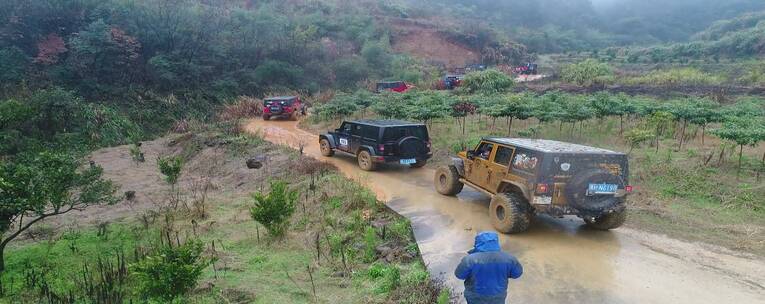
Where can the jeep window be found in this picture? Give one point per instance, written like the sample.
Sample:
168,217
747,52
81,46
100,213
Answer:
356,130
369,132
345,128
396,133
484,150
525,161
503,156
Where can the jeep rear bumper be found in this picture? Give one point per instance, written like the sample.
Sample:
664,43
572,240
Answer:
396,159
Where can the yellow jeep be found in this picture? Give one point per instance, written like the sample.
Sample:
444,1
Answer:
528,176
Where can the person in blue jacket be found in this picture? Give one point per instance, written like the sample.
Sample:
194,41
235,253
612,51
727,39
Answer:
486,270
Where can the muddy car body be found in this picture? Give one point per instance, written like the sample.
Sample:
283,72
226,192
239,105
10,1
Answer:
532,176
283,107
379,141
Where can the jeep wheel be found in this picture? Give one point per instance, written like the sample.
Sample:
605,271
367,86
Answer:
447,180
365,161
510,213
266,117
608,221
326,149
419,164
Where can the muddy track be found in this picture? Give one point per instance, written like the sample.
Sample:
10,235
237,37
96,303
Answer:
563,261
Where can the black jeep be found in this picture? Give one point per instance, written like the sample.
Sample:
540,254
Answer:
379,141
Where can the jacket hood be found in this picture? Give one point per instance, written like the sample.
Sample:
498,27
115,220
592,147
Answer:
486,242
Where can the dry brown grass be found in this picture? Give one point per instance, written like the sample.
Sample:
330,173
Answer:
244,107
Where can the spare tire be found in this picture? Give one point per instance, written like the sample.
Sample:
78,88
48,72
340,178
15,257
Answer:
593,205
411,147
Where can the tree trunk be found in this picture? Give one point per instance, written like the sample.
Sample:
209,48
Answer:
464,121
493,122
2,258
560,127
682,134
509,125
740,157
703,133
621,124
762,168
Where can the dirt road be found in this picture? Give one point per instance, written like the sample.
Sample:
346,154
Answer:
564,263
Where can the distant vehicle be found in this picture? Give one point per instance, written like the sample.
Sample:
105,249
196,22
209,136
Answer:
393,86
452,81
470,68
379,141
533,176
526,69
283,107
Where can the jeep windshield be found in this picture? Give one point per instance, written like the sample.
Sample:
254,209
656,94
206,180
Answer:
284,102
397,133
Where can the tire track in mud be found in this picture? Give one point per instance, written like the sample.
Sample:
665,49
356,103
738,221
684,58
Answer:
563,261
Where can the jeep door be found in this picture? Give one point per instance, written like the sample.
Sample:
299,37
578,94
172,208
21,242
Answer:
499,166
477,166
355,140
343,137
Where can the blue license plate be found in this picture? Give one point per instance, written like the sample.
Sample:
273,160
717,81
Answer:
602,188
408,161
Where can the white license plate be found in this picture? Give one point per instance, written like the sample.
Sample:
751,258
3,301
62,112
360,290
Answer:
408,161
602,188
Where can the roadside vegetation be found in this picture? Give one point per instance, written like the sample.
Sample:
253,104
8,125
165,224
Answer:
318,238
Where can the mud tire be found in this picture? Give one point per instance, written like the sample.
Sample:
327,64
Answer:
326,148
510,213
608,221
419,164
364,159
266,117
447,180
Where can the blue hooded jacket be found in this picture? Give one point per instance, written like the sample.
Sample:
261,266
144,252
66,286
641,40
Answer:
486,270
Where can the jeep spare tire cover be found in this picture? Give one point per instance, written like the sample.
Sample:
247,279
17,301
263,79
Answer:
576,191
411,147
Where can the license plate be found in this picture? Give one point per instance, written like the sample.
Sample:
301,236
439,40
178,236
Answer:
408,161
276,109
602,188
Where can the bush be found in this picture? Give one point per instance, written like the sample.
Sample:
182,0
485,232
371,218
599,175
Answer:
388,277
487,82
170,272
170,167
244,107
587,73
275,209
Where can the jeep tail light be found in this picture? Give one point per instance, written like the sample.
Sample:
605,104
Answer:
381,148
427,143
542,188
628,189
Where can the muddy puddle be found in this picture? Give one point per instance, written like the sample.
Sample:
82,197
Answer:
563,261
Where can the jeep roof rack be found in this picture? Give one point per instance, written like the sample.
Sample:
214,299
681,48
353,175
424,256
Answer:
549,146
386,123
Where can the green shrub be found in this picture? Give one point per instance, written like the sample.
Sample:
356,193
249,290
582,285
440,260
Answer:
487,82
171,271
388,277
170,167
370,244
275,209
587,73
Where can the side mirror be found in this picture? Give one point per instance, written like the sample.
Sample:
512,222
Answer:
470,154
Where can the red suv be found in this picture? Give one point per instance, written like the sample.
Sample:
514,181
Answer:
283,106
393,86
